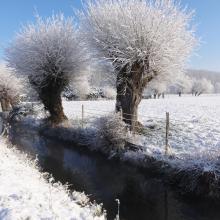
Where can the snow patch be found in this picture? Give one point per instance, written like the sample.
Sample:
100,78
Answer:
26,193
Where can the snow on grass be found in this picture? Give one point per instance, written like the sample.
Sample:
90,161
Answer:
26,194
194,132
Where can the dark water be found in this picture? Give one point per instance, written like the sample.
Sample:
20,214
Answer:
143,196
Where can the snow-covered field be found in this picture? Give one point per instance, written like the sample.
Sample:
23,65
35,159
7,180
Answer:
194,132
26,194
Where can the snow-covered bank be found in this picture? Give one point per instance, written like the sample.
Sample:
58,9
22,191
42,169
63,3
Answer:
194,137
193,158
26,194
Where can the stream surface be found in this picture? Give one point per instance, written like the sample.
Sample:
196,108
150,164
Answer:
143,196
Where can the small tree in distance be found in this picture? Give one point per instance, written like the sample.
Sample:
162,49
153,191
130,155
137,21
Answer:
49,54
201,86
144,40
217,87
157,88
182,84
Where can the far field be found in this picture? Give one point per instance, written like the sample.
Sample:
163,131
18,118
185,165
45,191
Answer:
194,127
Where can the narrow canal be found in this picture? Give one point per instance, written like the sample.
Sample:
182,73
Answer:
143,196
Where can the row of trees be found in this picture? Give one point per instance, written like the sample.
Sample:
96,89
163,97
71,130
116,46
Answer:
143,41
102,80
183,84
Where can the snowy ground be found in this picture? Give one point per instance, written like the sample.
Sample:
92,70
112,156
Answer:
26,194
194,134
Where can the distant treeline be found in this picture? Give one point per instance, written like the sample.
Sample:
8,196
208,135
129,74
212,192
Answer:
214,77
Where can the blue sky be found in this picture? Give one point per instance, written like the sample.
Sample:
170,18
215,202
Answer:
14,13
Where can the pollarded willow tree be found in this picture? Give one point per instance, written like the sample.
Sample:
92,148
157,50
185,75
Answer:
11,88
144,41
156,88
182,84
200,86
49,53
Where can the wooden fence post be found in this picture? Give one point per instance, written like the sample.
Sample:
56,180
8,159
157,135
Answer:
121,115
4,123
1,124
82,116
167,132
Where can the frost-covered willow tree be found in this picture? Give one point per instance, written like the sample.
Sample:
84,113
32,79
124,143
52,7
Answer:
156,88
143,40
217,87
10,88
49,53
200,86
182,84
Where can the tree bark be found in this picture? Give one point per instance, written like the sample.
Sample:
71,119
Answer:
130,86
51,98
5,104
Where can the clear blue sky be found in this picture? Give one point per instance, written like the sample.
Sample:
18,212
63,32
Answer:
14,13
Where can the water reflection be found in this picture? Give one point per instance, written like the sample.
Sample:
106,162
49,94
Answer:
142,196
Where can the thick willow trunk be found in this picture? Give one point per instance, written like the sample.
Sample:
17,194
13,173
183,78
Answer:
14,101
51,98
129,94
5,104
128,104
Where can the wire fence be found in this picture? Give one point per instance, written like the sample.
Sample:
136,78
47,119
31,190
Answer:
99,113
153,126
163,129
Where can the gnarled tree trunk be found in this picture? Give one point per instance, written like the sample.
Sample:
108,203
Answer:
130,86
51,98
5,104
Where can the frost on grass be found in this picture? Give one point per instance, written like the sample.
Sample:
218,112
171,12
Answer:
193,131
194,136
25,193
111,132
